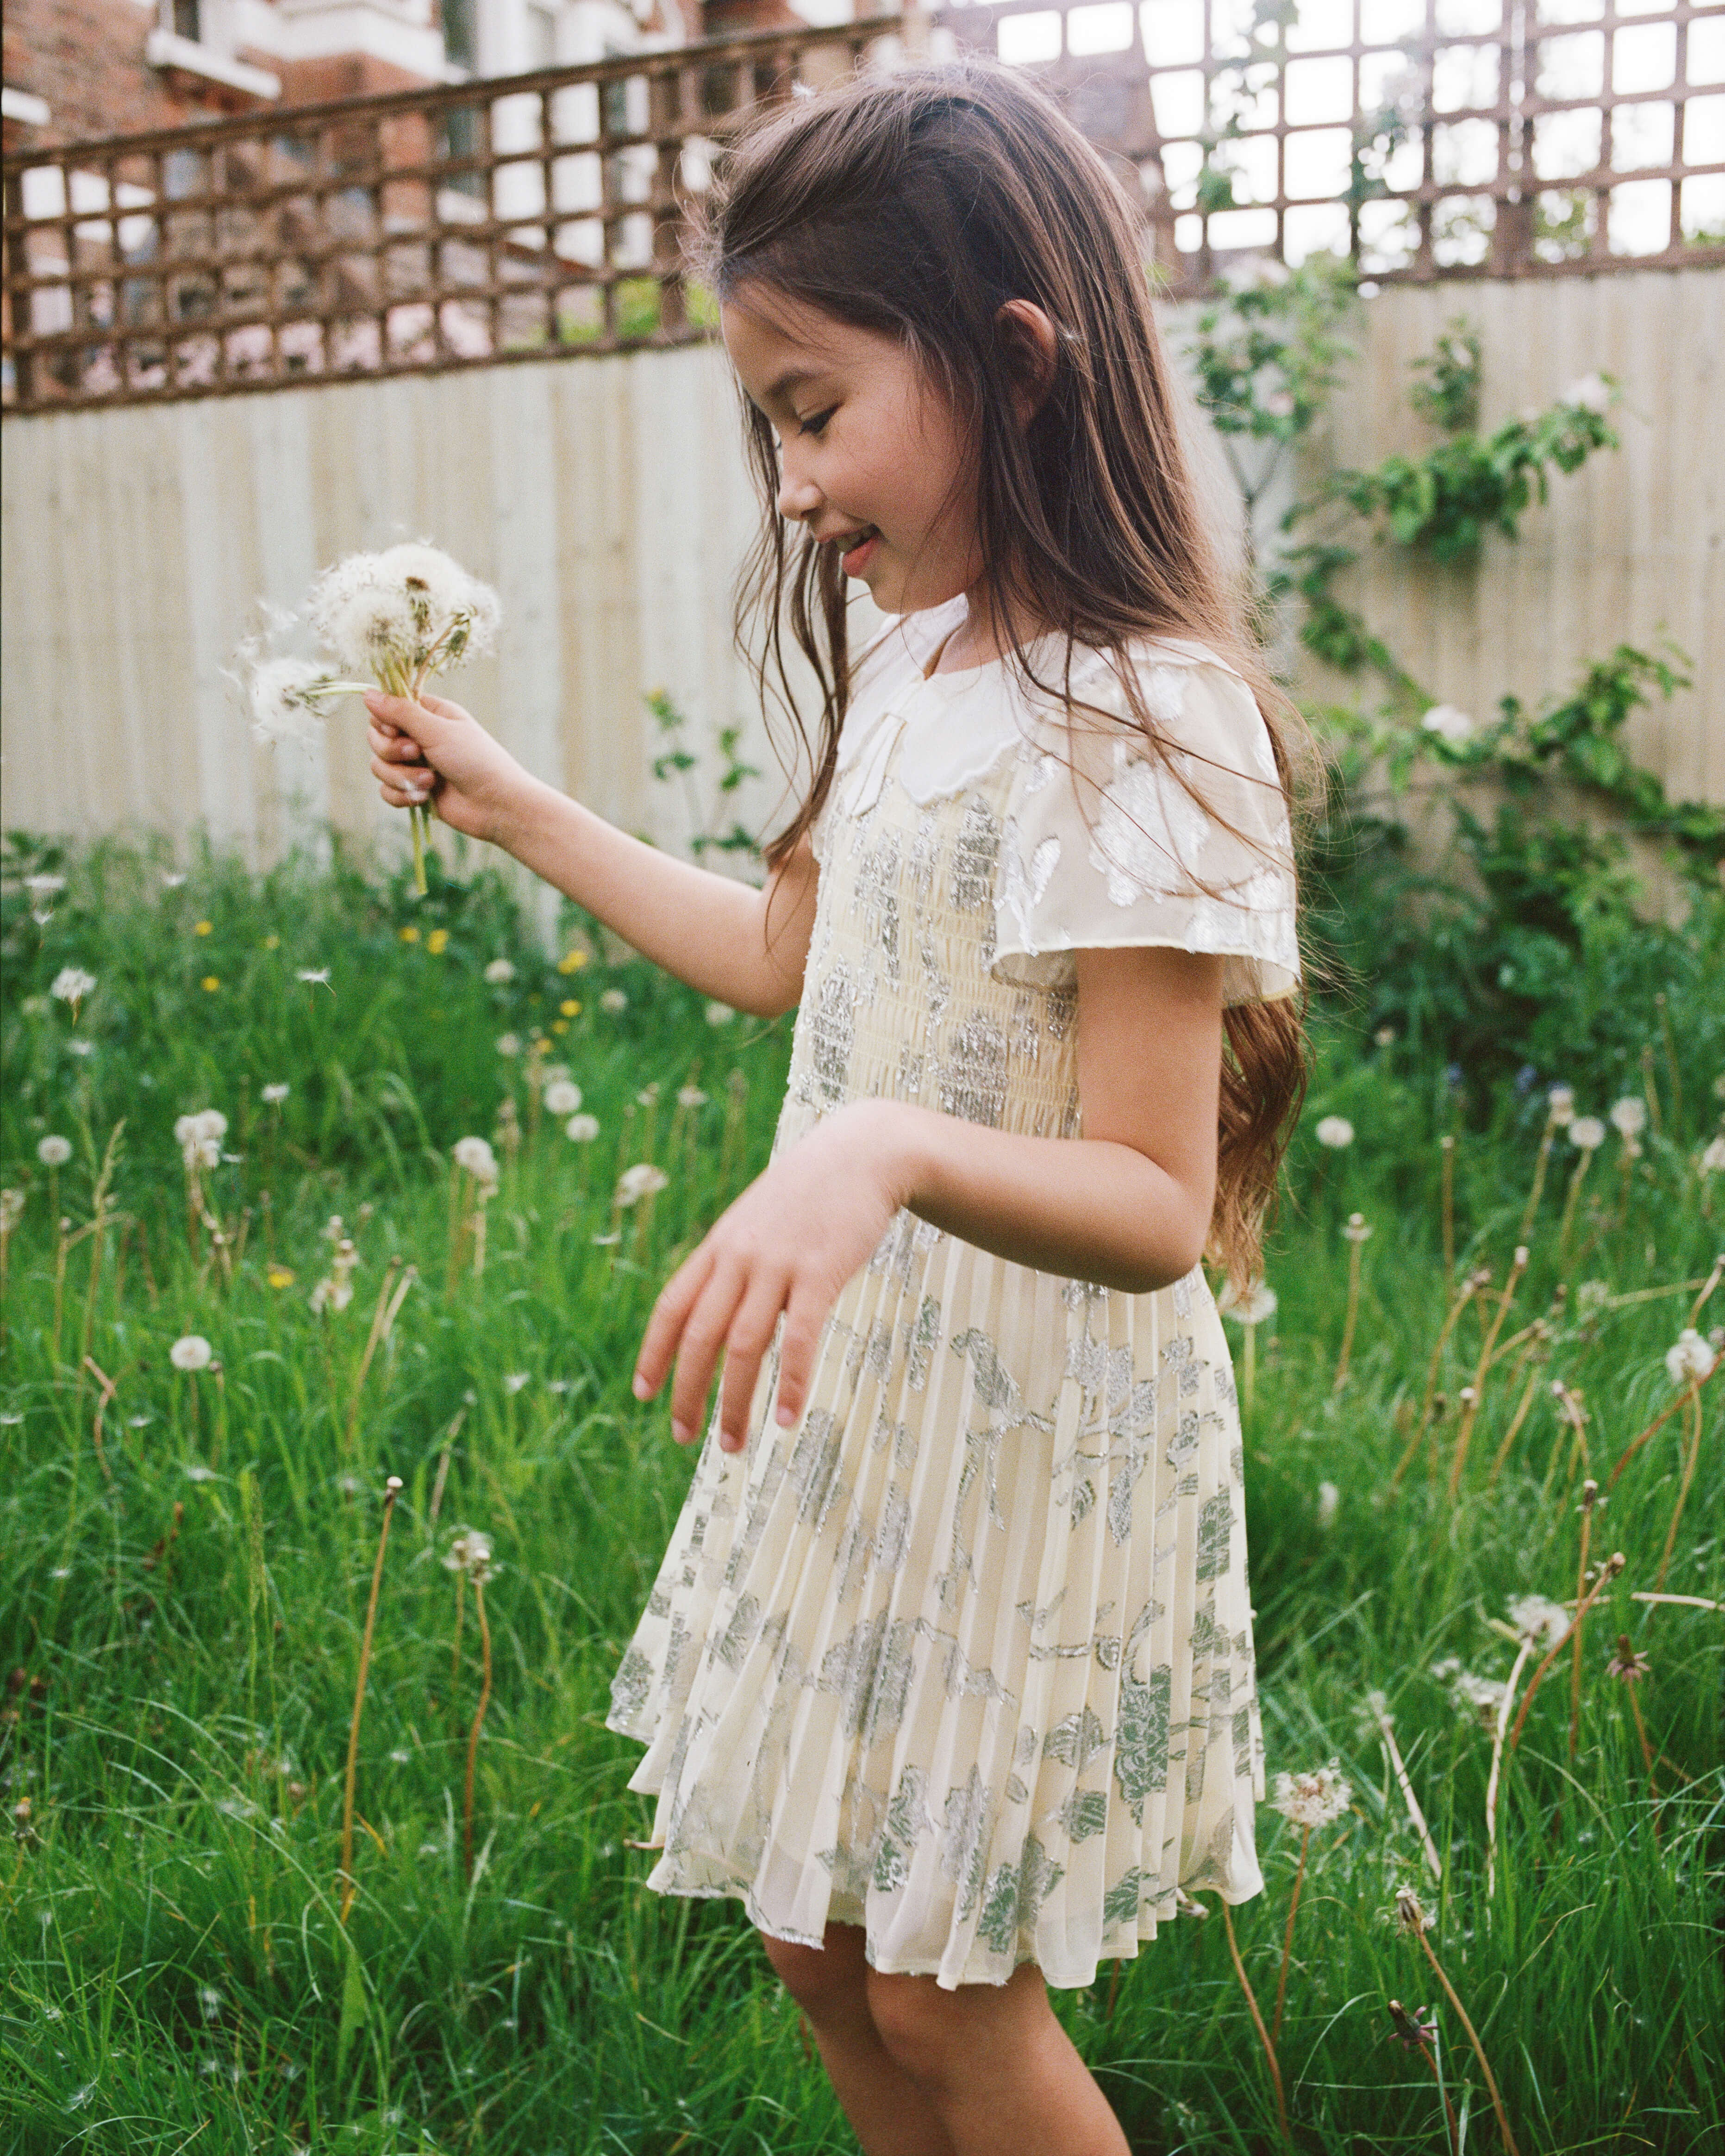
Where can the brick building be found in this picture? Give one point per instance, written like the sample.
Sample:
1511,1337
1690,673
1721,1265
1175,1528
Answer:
77,69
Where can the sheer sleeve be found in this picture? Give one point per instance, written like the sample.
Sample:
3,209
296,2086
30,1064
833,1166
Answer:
1104,847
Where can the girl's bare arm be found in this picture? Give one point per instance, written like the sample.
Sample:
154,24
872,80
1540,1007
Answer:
1127,1204
746,947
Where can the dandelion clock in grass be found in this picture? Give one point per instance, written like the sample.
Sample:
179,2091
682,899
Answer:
394,620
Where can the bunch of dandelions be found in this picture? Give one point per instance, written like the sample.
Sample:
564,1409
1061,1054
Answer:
396,620
1309,1800
469,1557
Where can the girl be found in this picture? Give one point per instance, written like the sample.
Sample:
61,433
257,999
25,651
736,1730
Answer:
948,1673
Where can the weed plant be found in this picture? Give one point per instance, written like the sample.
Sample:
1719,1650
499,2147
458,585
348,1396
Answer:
190,1554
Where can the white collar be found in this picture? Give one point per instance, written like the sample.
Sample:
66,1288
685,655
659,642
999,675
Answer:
956,726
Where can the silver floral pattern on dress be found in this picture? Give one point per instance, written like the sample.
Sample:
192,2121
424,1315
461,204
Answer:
965,1658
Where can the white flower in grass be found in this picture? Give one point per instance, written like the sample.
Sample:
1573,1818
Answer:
1537,1618
499,973
718,1014
1334,1131
1252,1307
1357,1230
1712,1158
469,1552
193,1351
315,976
54,1151
562,1097
1329,1503
515,1380
72,984
583,1129
509,1044
1628,1116
1449,723
639,1181
275,1095
199,1138
691,1096
1312,1800
1690,1357
613,1000
475,1155
1560,1105
1587,1133
1593,393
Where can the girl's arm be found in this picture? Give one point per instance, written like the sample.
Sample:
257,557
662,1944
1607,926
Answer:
706,929
1127,1204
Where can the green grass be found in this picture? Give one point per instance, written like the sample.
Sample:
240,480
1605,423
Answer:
183,1609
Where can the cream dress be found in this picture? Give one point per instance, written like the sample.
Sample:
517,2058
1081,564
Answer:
965,1657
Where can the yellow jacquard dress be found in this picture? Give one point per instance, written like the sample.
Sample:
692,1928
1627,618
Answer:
965,1657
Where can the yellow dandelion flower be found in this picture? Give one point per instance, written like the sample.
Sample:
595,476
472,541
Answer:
209,984
560,1025
272,942
569,1008
572,962
203,927
279,1276
408,935
438,941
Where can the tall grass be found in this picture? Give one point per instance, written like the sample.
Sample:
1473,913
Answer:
184,1608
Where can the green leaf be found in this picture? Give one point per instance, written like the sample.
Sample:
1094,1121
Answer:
354,2009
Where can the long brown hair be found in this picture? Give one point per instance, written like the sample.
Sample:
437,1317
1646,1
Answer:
916,204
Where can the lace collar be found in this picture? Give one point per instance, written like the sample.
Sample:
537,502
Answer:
955,726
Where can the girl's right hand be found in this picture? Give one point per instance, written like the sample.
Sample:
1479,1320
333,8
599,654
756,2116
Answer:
434,754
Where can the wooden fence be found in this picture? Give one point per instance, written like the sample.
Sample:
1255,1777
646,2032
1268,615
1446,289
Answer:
608,503
540,215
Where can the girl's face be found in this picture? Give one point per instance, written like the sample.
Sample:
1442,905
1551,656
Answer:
871,457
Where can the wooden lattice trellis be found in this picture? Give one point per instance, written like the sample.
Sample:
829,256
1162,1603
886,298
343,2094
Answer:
540,214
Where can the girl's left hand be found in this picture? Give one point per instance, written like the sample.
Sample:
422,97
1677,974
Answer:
802,1230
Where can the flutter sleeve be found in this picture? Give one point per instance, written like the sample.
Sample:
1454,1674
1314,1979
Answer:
1104,847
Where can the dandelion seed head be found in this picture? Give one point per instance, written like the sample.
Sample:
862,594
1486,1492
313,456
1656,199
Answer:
1334,1131
1410,1913
1357,1231
54,1151
1251,1307
1329,1503
582,1129
209,2002
1587,1133
499,973
1539,1620
639,1181
509,1044
283,696
1384,1036
475,1156
191,1351
272,1095
1314,1799
718,1014
1560,1104
72,984
515,1380
1628,1117
691,1096
1690,1357
613,1000
562,1097
469,1552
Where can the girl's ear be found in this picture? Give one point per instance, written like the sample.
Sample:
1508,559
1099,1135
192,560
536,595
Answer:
1032,347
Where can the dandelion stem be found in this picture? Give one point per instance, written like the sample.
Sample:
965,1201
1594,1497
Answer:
1590,1490
1281,2108
1608,1573
392,1491
1433,1862
1691,1459
1448,1146
478,1718
1533,1196
1572,1197
1287,1944
1510,1435
59,1281
1354,1253
1478,2049
1660,1421
1470,1409
1504,1705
